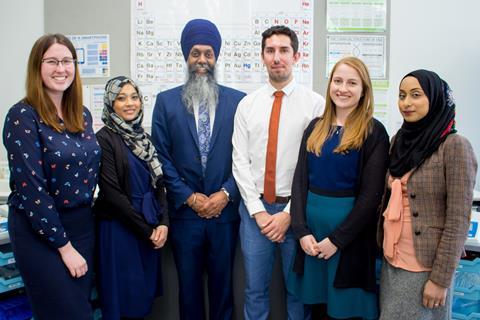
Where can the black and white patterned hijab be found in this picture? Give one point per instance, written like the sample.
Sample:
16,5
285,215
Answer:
132,131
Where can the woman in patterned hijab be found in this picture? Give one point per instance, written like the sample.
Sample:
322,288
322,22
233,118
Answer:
131,131
132,223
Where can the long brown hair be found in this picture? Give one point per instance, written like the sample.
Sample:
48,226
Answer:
359,122
37,97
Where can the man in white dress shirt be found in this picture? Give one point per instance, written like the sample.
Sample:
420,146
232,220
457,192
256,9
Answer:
268,129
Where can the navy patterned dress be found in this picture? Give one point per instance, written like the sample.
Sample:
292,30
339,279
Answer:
52,177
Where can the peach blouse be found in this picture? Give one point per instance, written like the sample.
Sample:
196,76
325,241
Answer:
398,246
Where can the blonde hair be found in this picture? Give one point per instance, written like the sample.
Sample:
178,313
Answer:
359,122
37,97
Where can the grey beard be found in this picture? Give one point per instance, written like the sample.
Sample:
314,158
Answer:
200,88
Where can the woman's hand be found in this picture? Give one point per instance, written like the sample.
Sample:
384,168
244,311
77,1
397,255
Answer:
159,236
75,263
326,249
308,243
434,296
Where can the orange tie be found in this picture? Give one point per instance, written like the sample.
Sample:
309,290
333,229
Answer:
271,161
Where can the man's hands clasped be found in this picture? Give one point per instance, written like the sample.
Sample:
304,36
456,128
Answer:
274,227
208,207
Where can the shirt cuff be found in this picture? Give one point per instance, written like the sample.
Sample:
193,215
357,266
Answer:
287,207
255,206
59,241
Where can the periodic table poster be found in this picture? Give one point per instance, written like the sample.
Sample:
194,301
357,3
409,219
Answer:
157,62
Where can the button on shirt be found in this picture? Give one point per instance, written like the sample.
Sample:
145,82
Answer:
250,136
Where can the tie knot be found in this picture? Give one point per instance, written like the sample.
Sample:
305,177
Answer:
278,94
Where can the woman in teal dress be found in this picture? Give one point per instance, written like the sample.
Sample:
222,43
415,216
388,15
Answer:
336,192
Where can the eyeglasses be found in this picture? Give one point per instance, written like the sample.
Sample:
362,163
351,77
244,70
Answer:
53,62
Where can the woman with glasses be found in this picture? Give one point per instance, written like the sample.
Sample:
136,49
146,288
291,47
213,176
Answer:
54,160
130,207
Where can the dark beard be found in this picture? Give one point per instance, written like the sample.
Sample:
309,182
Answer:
200,88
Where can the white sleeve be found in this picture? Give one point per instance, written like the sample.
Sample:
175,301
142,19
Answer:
241,163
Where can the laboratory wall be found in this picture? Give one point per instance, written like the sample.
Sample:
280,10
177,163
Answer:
21,23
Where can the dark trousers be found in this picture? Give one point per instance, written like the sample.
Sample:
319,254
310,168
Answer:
199,247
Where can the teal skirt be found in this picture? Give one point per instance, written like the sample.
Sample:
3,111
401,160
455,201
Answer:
323,215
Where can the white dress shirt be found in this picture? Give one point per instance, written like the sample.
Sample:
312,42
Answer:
250,136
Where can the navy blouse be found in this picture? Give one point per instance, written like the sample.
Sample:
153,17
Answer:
333,171
50,171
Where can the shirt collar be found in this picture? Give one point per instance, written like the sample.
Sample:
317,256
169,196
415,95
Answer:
287,90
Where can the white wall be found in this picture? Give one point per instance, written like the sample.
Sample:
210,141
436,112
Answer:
442,36
21,23
431,34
